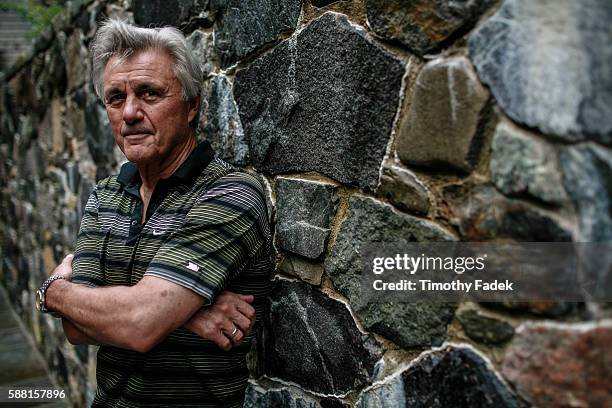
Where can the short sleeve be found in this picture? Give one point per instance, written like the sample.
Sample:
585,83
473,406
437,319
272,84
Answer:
86,263
224,232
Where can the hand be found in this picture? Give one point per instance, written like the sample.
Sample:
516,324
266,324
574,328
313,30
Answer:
64,269
217,322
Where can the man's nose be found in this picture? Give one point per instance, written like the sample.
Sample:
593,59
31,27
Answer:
132,110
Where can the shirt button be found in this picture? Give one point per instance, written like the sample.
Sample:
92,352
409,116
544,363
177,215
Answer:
134,222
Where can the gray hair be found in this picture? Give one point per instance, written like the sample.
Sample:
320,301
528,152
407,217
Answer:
118,38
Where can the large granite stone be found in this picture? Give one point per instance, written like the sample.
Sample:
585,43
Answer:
257,396
244,26
221,123
269,199
404,190
452,377
547,64
201,44
423,25
521,163
485,329
313,341
368,221
587,173
481,213
304,211
302,268
159,13
409,325
441,127
305,107
563,366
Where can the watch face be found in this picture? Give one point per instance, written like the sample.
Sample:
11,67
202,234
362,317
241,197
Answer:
39,300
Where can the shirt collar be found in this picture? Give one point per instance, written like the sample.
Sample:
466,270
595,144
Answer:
187,172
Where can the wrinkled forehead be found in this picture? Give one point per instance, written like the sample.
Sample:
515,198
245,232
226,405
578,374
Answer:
151,59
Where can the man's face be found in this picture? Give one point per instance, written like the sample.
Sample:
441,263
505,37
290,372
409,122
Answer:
143,101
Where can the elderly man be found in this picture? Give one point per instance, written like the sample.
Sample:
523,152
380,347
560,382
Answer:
161,241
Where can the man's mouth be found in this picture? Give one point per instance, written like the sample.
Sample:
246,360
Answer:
136,133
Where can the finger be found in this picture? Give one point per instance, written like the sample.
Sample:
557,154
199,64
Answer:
222,341
242,323
68,258
238,337
233,333
247,310
247,298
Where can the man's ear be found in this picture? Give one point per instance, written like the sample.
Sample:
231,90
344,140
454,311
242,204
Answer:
194,108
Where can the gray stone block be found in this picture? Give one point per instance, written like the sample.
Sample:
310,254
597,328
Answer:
368,221
452,377
159,13
440,128
548,63
409,325
587,173
305,107
523,164
243,26
313,341
404,190
481,213
221,123
304,269
305,210
485,329
201,44
422,26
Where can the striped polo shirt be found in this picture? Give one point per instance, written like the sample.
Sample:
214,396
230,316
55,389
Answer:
206,229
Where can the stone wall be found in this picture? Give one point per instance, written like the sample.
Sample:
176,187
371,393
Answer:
370,120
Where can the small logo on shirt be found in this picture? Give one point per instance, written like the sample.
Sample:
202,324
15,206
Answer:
157,232
193,267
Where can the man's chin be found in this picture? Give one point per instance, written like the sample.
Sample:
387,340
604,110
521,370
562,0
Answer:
138,154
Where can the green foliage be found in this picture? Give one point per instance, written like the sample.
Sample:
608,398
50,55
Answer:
38,13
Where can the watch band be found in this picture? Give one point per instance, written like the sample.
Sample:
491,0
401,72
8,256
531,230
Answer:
41,295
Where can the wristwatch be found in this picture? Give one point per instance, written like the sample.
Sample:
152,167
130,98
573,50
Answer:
41,293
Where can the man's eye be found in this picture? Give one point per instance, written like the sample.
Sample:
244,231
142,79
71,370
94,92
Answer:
115,99
150,93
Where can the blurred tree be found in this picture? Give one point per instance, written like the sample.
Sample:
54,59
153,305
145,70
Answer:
38,13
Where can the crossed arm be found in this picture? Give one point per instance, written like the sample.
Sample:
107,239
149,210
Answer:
139,317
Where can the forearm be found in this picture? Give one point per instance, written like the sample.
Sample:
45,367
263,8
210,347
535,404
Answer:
75,335
132,317
103,315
